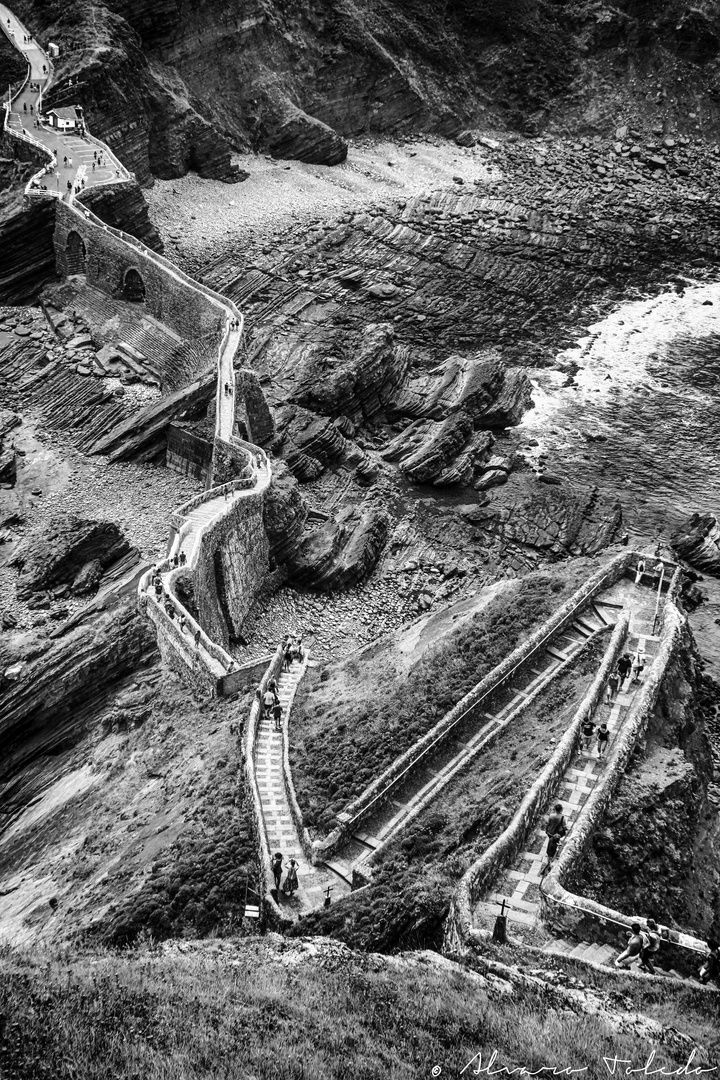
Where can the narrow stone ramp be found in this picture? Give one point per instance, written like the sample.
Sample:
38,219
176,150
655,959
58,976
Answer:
280,828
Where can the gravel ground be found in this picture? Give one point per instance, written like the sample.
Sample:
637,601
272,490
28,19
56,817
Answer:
139,498
200,219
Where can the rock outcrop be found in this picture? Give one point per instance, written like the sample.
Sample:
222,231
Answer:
285,514
698,541
557,520
58,683
442,453
342,552
68,555
349,374
305,138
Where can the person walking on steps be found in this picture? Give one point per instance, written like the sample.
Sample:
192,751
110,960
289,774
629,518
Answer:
640,572
291,880
287,655
555,830
588,731
603,736
277,715
276,866
638,666
613,685
632,949
651,944
624,667
268,702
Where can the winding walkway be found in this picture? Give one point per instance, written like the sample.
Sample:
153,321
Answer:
21,116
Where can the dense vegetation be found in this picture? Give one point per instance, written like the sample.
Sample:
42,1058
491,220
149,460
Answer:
350,725
197,885
416,875
268,1012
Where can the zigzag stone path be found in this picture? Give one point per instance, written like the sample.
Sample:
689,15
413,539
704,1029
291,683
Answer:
521,895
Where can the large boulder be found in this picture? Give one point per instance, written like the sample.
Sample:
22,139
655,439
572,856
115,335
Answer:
342,552
698,541
305,138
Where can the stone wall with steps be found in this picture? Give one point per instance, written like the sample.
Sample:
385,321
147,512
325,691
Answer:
458,926
380,790
599,928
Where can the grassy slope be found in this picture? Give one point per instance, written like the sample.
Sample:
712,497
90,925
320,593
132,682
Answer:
417,873
269,1011
349,727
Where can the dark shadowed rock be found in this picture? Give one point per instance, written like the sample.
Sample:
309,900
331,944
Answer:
342,552
68,550
300,137
698,541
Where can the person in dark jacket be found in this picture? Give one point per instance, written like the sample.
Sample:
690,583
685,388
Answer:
556,828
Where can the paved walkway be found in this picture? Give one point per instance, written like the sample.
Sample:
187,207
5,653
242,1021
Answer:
282,835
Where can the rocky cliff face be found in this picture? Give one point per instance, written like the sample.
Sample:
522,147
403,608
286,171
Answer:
662,824
173,86
698,541
57,682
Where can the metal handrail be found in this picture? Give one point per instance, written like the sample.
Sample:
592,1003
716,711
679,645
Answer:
699,948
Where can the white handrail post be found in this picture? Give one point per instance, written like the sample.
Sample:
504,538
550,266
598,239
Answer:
657,602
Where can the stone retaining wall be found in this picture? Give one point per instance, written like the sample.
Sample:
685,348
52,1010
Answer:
478,877
380,789
232,560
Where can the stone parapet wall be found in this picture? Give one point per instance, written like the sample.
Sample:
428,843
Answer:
381,788
480,875
109,255
180,653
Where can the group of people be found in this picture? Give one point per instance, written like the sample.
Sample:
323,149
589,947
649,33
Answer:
642,946
627,666
292,650
642,571
290,884
271,704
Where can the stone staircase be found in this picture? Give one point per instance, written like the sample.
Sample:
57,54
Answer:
522,881
601,954
452,756
313,881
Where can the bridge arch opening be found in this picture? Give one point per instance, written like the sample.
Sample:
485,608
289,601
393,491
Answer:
133,286
75,253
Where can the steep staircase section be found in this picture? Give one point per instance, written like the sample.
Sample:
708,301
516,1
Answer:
425,777
279,827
